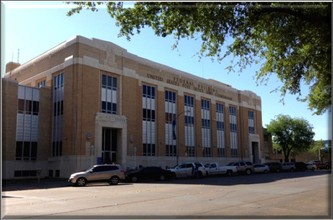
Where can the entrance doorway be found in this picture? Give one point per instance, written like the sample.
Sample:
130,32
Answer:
109,145
255,152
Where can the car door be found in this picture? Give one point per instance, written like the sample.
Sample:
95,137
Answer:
96,174
213,168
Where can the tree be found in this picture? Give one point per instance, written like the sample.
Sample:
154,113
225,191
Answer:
291,135
290,39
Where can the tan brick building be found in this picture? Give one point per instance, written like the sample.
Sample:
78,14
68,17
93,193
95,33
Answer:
89,101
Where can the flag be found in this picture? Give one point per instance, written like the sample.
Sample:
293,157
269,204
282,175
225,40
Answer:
174,129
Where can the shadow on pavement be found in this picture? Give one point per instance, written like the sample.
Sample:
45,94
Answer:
47,183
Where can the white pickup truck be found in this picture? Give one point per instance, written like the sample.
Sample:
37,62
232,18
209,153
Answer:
216,169
189,169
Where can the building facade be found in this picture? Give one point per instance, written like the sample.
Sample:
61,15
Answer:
89,101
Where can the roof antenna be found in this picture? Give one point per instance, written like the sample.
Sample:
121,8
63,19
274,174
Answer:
18,55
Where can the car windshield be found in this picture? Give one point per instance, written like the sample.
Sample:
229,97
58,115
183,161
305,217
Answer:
230,164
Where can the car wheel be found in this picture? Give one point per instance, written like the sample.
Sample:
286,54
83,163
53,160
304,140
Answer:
81,181
114,180
248,172
134,179
278,170
162,178
265,171
229,173
292,170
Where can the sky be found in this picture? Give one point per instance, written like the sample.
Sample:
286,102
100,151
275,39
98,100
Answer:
30,28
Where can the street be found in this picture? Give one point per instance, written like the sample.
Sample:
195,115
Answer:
273,195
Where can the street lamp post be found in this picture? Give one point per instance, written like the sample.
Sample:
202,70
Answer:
176,136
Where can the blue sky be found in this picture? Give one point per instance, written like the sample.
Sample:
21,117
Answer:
34,27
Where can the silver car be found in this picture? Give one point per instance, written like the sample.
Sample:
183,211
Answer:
110,173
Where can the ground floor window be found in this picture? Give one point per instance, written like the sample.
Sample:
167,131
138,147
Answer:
190,151
25,173
26,150
220,152
207,152
149,150
171,150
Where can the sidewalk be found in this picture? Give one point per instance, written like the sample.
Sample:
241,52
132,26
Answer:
26,184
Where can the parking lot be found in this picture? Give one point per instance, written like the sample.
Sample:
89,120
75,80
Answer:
273,195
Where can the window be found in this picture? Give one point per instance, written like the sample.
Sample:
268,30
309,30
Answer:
233,131
41,84
109,94
205,127
207,152
25,173
220,130
205,104
170,124
28,107
251,122
148,120
58,107
26,150
189,125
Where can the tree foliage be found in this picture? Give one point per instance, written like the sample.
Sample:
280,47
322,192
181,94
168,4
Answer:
291,135
291,40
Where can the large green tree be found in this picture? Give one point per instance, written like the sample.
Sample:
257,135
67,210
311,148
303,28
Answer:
291,135
291,40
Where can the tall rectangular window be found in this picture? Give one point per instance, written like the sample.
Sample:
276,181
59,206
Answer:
41,84
233,131
251,122
205,127
220,130
27,120
149,120
58,106
109,94
170,124
189,125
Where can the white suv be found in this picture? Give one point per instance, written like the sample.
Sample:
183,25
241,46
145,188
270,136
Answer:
195,170
288,166
110,173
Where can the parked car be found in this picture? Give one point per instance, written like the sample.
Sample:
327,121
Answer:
216,169
318,164
274,166
288,166
260,168
243,167
149,173
189,169
311,166
328,165
110,173
300,166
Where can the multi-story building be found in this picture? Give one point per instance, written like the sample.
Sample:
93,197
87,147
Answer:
89,101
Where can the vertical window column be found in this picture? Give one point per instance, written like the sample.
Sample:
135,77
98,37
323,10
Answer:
109,94
251,122
189,125
27,120
58,106
170,126
233,131
220,130
205,127
148,120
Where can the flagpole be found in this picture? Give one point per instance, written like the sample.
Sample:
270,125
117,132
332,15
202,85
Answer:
174,123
